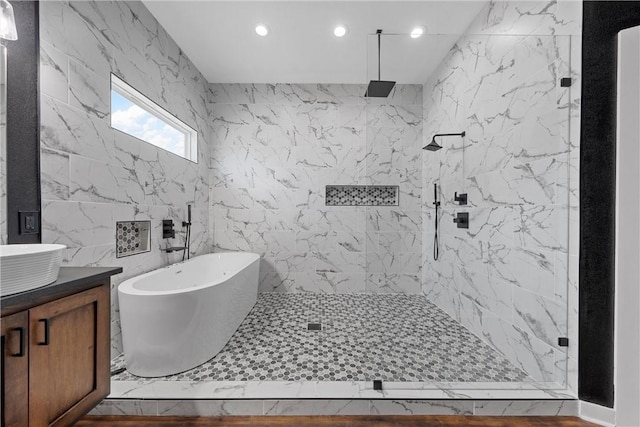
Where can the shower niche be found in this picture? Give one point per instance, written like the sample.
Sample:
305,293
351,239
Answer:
132,238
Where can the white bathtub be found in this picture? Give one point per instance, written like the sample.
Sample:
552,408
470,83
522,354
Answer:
178,317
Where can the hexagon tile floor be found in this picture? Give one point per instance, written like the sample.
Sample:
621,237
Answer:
363,337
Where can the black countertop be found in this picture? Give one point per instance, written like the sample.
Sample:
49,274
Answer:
71,280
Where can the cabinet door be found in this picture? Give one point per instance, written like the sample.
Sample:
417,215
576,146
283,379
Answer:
15,369
69,359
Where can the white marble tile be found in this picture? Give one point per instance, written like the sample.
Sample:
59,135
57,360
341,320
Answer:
542,227
394,115
209,408
60,24
326,282
393,219
526,408
153,389
316,407
393,263
125,407
340,262
54,173
341,218
74,131
77,224
380,283
330,241
88,91
539,316
90,256
424,407
54,72
101,182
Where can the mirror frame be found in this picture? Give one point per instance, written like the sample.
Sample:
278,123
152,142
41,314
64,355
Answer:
23,122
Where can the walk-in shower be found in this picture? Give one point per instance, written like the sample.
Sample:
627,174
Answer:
352,220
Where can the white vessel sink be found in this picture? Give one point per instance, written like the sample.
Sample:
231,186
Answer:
25,267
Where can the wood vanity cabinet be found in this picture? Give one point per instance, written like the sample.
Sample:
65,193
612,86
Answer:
55,360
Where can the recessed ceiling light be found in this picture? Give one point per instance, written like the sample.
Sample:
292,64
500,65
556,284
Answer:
340,30
262,30
417,32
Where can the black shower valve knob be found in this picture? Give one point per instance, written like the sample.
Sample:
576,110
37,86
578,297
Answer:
462,219
461,199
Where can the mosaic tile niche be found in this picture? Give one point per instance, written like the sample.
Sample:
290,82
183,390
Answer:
132,237
361,195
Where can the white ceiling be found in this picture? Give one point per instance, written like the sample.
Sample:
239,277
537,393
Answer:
219,37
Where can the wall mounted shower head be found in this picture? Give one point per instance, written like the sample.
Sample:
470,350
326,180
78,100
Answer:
434,146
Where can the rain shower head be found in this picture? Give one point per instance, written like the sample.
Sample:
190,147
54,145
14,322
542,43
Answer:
379,88
434,146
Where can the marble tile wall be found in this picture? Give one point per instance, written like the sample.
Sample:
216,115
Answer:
510,277
92,175
336,407
274,150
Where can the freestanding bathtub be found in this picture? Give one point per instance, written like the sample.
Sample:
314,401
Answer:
178,317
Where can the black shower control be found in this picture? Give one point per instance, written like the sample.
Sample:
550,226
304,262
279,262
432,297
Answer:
167,229
563,342
462,219
377,384
461,199
565,82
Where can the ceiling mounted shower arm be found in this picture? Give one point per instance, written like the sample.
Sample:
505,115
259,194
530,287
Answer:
379,33
379,88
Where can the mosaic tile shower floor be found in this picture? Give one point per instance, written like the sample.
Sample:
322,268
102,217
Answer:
363,337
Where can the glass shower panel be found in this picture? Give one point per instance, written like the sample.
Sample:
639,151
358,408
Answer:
505,278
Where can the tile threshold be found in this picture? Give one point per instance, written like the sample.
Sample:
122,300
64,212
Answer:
229,390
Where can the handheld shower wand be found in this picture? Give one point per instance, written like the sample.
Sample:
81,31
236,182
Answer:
187,243
436,243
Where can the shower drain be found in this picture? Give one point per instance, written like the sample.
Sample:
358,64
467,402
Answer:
314,326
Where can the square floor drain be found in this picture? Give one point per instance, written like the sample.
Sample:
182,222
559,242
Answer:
314,326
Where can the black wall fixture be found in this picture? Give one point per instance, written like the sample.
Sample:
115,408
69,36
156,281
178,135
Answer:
379,88
23,125
602,20
434,146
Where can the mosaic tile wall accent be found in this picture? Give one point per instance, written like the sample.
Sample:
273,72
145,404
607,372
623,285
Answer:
510,277
361,195
93,175
278,146
363,338
132,237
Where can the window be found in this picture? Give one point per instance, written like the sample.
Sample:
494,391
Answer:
138,116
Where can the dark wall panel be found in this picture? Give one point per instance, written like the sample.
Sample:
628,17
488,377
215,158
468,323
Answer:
23,141
602,20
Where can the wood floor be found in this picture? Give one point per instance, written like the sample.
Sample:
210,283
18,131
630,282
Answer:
333,421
